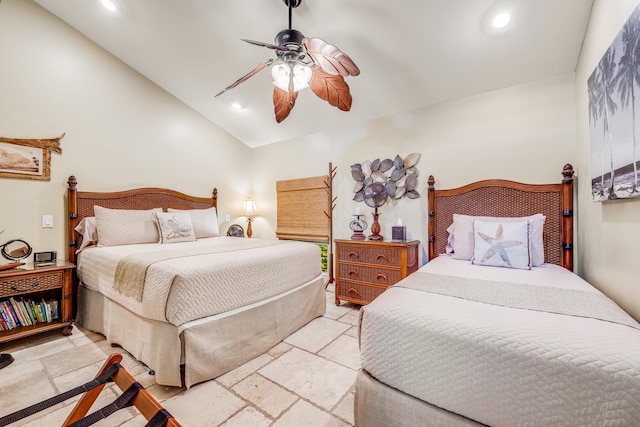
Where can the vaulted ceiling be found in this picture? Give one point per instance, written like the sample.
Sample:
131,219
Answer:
411,53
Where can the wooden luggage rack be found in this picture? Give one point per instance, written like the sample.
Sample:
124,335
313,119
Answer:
133,394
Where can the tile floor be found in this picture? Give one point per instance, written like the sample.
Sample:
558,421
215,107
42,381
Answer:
305,380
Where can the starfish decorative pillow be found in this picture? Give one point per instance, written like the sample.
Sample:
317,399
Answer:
502,244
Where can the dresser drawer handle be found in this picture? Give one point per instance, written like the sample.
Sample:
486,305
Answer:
353,254
18,289
352,272
352,291
382,276
383,256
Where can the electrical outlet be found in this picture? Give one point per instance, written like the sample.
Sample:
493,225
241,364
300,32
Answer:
228,218
47,221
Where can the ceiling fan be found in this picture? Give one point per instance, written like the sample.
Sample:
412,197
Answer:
300,62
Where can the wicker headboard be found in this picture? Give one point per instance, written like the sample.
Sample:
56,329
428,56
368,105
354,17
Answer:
80,205
508,199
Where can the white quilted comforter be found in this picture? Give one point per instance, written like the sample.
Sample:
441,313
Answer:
499,365
183,289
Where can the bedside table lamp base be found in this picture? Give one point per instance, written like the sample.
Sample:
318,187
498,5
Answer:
249,231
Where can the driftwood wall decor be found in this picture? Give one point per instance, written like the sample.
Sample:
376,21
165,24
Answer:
27,158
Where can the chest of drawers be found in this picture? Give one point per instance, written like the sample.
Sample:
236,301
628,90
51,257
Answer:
366,269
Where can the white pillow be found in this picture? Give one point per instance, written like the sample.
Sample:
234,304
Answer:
462,238
501,244
204,221
125,226
450,243
89,232
175,227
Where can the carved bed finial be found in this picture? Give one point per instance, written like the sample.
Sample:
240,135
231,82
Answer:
567,172
431,181
72,182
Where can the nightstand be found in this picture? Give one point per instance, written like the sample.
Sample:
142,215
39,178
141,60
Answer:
366,269
35,291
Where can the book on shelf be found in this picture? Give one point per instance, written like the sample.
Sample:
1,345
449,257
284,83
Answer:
16,312
25,313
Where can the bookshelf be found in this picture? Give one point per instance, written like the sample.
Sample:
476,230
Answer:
29,288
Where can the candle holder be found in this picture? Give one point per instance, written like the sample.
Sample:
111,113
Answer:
358,226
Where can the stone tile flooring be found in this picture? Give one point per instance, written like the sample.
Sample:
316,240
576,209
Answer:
305,380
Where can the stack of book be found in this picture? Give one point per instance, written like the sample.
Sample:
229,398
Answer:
26,312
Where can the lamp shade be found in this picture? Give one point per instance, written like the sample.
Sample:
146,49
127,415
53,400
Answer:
249,208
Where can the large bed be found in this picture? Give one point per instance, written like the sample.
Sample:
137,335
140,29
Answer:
193,309
461,343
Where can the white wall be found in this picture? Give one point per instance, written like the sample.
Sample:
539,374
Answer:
122,131
523,133
608,233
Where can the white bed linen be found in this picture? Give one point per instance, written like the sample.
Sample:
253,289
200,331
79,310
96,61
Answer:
499,365
204,285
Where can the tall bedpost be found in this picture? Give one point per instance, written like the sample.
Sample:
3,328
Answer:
72,211
567,217
432,217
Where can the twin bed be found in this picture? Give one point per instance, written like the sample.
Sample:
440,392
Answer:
189,303
460,342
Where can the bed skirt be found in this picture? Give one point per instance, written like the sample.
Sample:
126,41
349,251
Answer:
378,405
206,347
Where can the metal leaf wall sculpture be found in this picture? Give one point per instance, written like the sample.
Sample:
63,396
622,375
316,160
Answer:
400,177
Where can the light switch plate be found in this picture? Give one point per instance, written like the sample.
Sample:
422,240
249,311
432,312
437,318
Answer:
47,221
228,218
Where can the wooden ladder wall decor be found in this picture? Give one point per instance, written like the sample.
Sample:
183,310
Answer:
332,204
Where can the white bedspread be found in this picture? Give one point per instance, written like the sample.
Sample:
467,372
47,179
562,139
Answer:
180,290
499,365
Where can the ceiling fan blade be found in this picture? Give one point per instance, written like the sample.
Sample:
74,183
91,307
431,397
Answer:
283,103
331,88
267,45
244,78
330,58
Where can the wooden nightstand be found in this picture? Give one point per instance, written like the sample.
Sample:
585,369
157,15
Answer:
37,284
366,269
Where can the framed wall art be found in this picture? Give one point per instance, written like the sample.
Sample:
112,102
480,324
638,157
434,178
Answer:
614,89
27,158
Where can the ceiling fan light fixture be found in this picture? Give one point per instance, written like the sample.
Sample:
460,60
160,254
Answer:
302,62
281,73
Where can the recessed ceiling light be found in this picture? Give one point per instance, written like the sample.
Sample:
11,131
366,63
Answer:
110,5
236,105
501,19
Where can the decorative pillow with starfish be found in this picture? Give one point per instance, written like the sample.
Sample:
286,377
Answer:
502,244
461,237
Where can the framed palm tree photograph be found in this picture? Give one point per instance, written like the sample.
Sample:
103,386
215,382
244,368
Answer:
613,89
